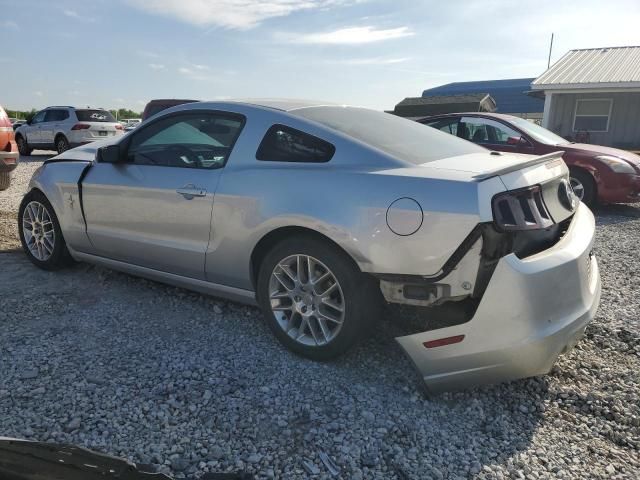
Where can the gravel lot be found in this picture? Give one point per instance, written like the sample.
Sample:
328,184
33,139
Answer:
191,384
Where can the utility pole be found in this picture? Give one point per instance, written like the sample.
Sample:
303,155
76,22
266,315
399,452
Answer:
550,49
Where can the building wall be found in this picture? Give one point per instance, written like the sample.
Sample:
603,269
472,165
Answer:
624,123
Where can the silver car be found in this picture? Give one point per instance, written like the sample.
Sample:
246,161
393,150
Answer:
320,214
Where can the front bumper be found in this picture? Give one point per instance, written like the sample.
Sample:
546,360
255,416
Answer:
533,310
8,161
621,188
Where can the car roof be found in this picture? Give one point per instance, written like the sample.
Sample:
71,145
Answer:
282,104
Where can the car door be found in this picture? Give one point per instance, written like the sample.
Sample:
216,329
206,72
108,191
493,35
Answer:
51,122
33,129
153,209
494,135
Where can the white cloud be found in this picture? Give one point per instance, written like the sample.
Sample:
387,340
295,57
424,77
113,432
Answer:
38,93
157,66
185,71
10,24
239,14
373,61
74,14
353,36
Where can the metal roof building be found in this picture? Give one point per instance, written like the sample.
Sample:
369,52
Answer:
616,67
593,95
510,95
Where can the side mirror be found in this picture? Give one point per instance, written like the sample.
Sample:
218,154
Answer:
514,141
109,154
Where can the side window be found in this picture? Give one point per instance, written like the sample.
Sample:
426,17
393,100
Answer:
56,115
39,117
482,130
192,140
286,144
447,125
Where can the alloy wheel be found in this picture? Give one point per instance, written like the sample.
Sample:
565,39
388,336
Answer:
578,187
39,233
62,145
306,300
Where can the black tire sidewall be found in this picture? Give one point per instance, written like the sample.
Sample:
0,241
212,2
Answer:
356,288
589,185
25,150
60,256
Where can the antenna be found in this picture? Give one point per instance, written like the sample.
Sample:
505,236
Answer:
550,49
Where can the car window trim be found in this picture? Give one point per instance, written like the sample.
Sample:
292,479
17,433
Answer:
127,141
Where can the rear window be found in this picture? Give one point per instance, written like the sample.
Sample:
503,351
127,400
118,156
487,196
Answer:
88,115
401,138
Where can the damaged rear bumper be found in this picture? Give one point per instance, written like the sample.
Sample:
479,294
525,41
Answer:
533,310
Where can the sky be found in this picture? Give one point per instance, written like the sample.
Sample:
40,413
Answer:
374,53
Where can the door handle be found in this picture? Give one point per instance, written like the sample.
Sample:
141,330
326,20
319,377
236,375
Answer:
190,191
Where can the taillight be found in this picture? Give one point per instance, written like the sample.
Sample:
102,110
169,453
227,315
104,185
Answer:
119,127
521,209
7,147
80,126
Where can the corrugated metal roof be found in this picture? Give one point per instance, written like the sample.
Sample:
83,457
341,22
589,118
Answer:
509,94
613,65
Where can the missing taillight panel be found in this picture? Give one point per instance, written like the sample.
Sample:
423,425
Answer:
521,209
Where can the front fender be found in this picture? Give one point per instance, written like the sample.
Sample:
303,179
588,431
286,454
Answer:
58,181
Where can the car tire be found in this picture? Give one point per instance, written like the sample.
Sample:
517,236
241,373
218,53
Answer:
23,146
356,294
584,186
62,144
47,248
5,180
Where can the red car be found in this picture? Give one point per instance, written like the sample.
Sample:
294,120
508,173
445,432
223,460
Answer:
8,150
598,174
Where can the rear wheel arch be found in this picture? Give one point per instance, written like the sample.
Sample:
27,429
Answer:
271,239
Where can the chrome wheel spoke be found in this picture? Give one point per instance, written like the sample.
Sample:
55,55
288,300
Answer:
38,231
306,300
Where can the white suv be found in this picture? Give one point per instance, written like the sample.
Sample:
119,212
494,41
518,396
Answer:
62,128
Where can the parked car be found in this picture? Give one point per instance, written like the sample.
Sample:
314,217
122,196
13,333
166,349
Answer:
62,128
125,122
158,105
320,213
8,150
17,124
598,174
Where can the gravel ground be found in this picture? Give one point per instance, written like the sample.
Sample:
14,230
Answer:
191,384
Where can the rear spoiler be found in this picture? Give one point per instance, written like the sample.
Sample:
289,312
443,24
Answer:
549,157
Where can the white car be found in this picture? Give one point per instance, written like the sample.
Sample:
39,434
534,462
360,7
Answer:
62,128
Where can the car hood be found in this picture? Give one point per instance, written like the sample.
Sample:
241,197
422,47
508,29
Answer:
85,153
594,150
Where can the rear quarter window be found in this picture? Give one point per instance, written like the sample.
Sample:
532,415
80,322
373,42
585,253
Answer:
87,115
286,144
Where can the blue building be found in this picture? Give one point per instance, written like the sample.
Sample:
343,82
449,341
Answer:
510,95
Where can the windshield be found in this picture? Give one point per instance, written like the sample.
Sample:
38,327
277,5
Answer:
95,116
539,133
396,136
